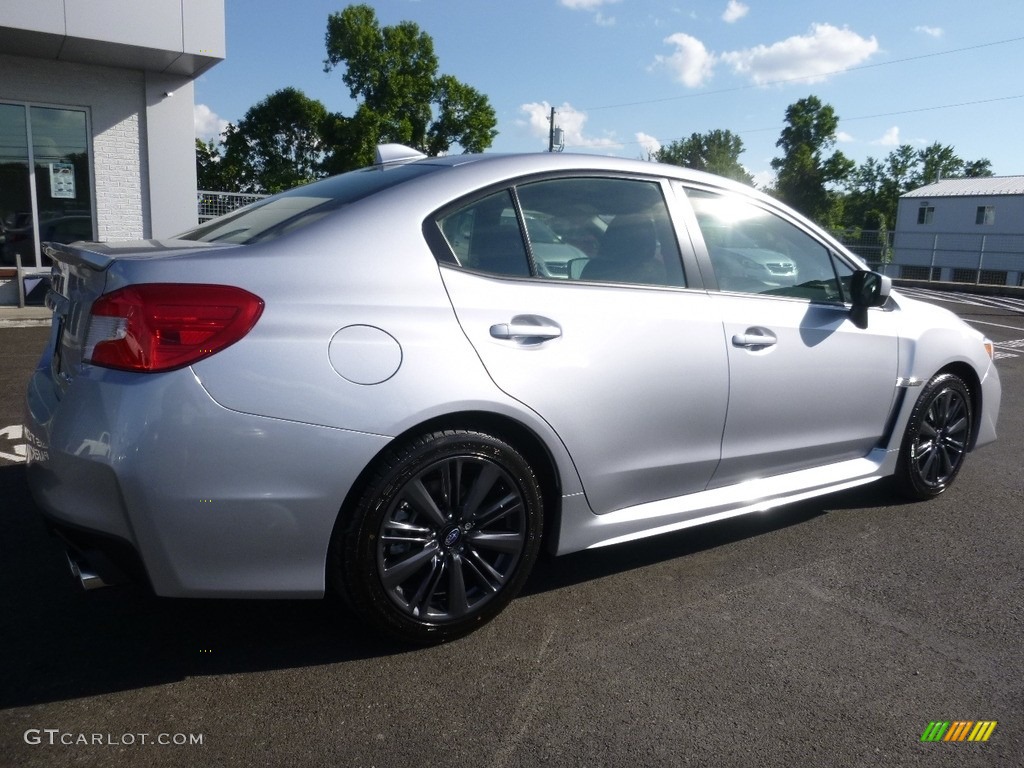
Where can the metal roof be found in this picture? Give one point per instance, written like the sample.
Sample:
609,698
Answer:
983,187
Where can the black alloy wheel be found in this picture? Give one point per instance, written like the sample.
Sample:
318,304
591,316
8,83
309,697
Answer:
443,537
937,437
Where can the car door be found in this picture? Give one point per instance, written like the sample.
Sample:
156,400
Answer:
807,387
596,332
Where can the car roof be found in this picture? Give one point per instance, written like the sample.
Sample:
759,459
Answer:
522,164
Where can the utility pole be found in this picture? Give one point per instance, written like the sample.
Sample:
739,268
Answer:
556,136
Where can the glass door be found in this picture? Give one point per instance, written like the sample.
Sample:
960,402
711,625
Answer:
16,231
61,161
53,202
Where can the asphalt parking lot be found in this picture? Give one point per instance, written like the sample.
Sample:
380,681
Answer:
830,632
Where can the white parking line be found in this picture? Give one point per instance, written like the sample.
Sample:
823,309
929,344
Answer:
994,325
12,433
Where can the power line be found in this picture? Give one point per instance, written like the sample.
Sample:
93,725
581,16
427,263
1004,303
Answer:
804,77
861,117
903,112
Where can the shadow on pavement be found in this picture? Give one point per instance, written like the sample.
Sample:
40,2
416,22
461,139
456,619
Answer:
60,643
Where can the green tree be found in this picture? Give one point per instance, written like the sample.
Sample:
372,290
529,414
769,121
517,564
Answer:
279,144
210,166
938,161
875,187
715,152
806,175
393,73
977,169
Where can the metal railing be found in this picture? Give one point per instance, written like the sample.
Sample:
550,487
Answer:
949,257
213,204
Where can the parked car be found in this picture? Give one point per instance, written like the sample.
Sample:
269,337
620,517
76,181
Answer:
372,386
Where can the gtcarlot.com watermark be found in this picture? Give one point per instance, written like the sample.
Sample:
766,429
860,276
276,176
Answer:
55,737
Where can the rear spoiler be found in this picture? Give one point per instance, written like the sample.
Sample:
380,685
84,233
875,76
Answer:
78,256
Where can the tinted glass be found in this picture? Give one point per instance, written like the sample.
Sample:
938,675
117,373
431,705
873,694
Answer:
485,235
609,230
753,250
299,207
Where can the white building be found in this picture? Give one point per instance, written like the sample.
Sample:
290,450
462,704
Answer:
97,137
963,230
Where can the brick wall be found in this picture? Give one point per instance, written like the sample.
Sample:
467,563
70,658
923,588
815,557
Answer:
115,100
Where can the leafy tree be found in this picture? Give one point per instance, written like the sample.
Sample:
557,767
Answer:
277,145
209,166
393,73
875,187
938,161
464,117
977,169
805,174
715,152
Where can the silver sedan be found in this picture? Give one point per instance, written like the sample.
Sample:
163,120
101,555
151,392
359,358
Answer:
400,383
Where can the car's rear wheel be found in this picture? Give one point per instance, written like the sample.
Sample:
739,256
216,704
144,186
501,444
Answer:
442,538
935,443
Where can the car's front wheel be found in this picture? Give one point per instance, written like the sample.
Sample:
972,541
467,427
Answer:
935,443
443,537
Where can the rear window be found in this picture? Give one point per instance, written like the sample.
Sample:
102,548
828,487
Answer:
299,207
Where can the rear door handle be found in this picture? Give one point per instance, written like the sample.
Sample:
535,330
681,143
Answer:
520,331
528,329
754,338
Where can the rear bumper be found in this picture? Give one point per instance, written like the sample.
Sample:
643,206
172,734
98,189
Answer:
146,477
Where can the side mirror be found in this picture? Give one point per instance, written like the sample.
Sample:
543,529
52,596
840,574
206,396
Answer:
867,289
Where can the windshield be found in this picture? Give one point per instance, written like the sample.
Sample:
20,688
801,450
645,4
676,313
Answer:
299,207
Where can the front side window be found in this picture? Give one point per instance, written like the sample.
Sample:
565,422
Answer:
986,215
753,250
591,229
925,214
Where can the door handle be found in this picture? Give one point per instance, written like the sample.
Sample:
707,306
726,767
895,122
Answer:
528,330
521,331
754,338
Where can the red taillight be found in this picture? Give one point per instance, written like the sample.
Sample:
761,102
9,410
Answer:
161,326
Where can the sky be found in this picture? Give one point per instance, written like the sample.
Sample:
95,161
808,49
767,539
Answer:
628,76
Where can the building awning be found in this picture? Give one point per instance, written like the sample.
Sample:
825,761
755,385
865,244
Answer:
165,36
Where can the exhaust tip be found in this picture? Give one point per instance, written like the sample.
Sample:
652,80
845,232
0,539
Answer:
88,578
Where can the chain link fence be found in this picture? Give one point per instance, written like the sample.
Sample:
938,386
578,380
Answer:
951,257
214,204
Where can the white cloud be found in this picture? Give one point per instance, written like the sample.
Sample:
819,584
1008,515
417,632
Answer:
891,138
844,138
569,119
735,11
208,123
585,5
692,64
763,179
930,31
812,57
648,143
592,5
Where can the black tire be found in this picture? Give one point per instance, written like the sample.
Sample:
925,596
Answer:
935,443
443,537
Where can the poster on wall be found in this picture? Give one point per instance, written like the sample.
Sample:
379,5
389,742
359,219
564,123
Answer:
62,181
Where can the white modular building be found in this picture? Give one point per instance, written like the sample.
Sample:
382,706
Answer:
97,136
963,230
